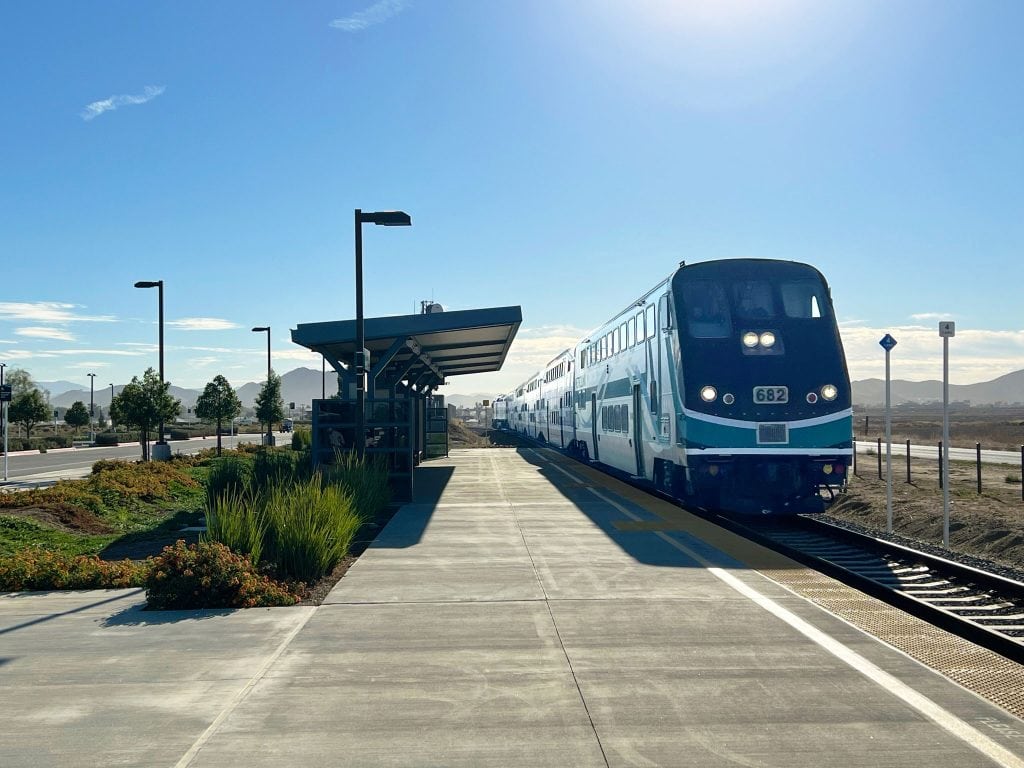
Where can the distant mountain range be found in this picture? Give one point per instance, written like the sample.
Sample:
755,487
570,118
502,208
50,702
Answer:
300,386
1005,390
303,385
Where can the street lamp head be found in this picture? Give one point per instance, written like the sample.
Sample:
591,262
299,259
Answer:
261,328
149,283
386,218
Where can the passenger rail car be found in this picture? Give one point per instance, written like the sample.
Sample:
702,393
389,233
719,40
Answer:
725,386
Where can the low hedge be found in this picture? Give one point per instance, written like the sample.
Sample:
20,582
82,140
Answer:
209,575
39,443
38,569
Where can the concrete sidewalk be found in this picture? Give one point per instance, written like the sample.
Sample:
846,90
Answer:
520,612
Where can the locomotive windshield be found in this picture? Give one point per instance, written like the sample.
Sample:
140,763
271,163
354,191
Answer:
712,306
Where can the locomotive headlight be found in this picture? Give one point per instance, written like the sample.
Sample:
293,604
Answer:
829,392
767,339
750,339
708,394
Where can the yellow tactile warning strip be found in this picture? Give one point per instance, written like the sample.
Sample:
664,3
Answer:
987,674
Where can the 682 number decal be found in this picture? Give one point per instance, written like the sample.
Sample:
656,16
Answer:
770,395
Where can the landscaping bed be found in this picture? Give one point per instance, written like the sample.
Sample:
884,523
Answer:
264,528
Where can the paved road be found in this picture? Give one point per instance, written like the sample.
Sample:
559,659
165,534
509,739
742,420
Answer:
41,468
932,452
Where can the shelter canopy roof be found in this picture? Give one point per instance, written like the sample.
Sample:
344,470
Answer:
424,348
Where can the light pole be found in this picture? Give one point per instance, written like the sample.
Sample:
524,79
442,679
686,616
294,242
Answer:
3,418
110,409
270,436
385,219
164,452
92,406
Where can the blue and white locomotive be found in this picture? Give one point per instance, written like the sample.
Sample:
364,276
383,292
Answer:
725,386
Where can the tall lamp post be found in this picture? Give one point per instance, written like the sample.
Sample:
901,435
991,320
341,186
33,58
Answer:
384,219
161,446
110,410
270,436
92,406
3,418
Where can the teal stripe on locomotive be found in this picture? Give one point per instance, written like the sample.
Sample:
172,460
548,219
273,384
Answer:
706,434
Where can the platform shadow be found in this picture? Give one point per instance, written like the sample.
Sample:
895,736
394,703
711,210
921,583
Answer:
406,527
635,532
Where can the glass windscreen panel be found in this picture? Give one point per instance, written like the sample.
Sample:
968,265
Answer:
803,298
707,309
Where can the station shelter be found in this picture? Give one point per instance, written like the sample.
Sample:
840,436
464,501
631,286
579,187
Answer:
408,358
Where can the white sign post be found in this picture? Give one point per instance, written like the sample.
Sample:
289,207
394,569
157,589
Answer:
947,329
888,342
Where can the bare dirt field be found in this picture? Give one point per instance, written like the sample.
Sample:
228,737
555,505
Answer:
1000,429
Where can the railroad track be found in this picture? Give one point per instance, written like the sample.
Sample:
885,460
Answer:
983,607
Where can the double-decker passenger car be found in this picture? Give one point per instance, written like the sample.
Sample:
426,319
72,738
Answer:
725,386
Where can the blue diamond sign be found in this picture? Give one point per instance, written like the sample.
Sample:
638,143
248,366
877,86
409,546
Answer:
887,342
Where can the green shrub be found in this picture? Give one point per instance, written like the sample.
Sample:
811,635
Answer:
209,575
277,468
365,479
106,438
38,569
148,480
302,440
228,474
311,527
237,519
1013,478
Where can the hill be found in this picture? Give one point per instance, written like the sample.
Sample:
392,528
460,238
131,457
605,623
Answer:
1004,390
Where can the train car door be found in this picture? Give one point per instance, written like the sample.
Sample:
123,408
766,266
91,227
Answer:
593,427
638,430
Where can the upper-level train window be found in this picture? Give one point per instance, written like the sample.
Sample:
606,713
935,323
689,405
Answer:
622,337
753,300
630,335
707,309
652,328
802,298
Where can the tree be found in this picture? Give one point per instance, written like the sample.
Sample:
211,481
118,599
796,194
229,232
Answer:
217,403
144,404
77,416
22,383
269,405
28,409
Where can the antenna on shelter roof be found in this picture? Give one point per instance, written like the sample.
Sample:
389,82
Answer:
429,307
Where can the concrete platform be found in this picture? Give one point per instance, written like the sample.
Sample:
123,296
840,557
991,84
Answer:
520,612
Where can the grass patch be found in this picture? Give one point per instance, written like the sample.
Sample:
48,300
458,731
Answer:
17,533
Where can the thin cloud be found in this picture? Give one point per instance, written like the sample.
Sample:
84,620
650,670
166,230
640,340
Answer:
114,352
45,333
203,362
111,103
974,355
377,13
930,316
88,365
203,324
47,312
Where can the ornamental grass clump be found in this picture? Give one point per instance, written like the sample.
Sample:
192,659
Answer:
365,479
209,575
228,475
311,527
39,569
278,469
237,519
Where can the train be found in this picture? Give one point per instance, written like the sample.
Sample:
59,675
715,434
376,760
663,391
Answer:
724,386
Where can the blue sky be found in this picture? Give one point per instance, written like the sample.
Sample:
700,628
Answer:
560,155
